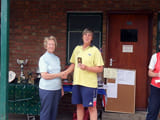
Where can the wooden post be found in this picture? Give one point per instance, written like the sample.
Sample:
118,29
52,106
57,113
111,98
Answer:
4,60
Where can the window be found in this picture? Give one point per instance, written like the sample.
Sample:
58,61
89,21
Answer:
76,22
128,35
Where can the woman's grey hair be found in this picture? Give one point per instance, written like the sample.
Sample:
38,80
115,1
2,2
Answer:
86,30
46,39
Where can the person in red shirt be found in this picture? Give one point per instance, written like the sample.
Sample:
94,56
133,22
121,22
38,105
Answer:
154,99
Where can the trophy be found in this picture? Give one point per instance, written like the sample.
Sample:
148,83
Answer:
22,63
79,60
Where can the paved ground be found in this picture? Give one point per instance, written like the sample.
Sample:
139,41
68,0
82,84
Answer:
139,115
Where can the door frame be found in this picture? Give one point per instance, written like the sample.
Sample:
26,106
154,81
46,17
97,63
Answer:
150,36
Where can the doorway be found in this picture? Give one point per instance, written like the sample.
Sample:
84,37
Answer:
128,44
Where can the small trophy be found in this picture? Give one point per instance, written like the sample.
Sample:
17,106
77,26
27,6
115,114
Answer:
79,60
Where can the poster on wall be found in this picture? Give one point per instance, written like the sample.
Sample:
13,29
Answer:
117,77
126,77
120,90
112,90
110,73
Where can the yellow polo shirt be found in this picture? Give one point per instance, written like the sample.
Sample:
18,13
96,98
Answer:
91,56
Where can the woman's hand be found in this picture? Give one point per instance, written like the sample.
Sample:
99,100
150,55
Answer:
64,75
62,92
82,66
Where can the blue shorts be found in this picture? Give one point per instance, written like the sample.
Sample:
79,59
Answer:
84,95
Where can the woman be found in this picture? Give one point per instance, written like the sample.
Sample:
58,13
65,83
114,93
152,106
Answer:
86,61
154,99
50,88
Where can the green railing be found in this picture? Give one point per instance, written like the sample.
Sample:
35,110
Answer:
23,99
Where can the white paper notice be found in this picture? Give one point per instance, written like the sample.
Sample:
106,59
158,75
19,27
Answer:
110,73
112,90
126,77
127,48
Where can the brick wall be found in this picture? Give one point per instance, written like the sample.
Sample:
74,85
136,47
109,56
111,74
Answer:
31,21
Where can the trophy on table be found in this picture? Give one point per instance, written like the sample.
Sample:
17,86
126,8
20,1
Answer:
22,63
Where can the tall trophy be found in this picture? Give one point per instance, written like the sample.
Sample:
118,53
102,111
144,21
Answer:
22,63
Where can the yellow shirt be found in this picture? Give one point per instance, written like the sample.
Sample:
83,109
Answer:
91,56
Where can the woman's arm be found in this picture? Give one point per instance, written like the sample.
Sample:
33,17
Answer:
70,69
49,76
62,91
153,74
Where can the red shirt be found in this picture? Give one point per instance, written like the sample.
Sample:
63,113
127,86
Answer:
156,70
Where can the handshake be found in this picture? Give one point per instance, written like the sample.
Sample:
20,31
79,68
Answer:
64,74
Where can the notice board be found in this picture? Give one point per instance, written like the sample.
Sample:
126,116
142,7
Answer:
120,90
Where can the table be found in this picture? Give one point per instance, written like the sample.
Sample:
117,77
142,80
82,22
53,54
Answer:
24,98
68,88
